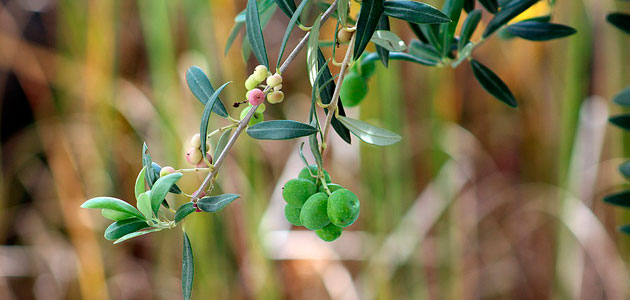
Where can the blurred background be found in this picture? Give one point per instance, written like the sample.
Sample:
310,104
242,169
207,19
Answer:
479,201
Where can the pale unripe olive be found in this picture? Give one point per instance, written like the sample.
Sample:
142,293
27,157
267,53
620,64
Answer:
256,97
193,156
275,97
260,73
274,80
166,170
344,35
195,141
251,82
261,108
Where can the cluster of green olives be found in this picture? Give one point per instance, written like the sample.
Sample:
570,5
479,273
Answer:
354,87
309,204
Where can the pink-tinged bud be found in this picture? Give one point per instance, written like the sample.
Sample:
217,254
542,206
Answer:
274,80
275,97
166,170
202,164
193,156
256,97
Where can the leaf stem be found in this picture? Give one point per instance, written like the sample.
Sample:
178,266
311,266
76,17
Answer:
210,179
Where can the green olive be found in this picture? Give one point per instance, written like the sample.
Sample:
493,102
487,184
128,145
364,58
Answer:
304,173
297,191
353,89
314,213
331,186
292,214
329,233
256,118
366,69
343,208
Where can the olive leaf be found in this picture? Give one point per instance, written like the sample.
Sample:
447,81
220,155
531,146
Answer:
624,169
424,51
540,31
507,13
140,186
369,133
144,205
343,7
216,203
619,199
112,204
469,5
622,121
326,92
453,9
369,16
254,33
623,97
183,211
288,7
233,34
492,83
156,171
280,130
223,140
201,87
121,228
312,50
150,176
470,24
115,215
287,32
205,117
619,20
188,268
136,234
383,53
161,188
415,12
388,40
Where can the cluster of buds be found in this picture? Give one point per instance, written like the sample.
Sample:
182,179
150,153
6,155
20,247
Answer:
194,156
256,96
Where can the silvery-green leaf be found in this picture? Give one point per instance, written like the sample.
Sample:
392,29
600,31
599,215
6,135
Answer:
370,133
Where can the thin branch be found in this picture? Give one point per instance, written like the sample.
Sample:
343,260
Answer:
211,177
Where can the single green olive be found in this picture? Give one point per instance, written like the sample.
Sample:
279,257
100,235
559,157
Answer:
353,89
329,233
297,191
314,213
292,214
366,70
256,118
343,208
331,186
304,173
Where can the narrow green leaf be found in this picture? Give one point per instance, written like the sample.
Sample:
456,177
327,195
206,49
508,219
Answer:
492,83
115,215
326,93
540,31
161,188
150,176
383,53
136,234
491,6
619,199
311,51
140,186
424,51
233,34
144,205
254,33
619,20
121,228
205,117
507,13
388,40
470,24
343,8
280,130
183,211
369,133
216,203
201,87
623,97
453,9
622,121
418,32
369,16
314,145
287,32
287,6
113,204
411,58
223,140
415,12
624,169
188,268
